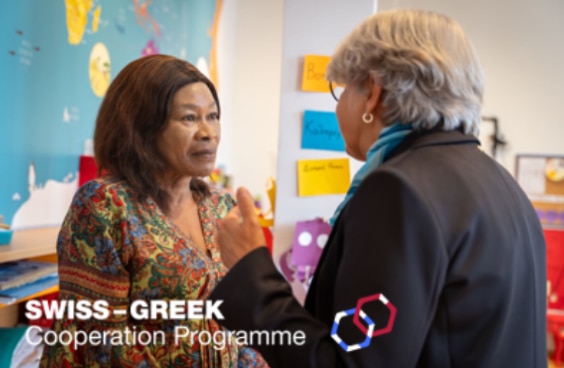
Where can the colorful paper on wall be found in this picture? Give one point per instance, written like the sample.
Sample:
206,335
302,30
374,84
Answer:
313,78
322,177
320,130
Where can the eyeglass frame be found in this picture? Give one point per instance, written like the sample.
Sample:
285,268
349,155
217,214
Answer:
333,91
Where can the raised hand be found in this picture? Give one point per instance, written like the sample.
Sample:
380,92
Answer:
240,231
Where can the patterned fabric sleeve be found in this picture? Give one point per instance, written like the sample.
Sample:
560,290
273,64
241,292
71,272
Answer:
91,267
95,255
226,202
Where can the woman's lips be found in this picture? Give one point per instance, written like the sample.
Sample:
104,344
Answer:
205,154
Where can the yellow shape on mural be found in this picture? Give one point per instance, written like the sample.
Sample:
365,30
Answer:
77,18
99,69
96,18
321,177
313,77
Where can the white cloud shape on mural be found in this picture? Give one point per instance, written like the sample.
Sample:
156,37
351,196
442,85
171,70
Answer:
202,66
46,206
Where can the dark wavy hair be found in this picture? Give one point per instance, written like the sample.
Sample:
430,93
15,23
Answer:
132,117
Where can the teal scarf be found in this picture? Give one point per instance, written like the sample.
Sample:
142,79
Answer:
390,137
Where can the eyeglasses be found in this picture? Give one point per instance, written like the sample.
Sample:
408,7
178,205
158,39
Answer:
336,90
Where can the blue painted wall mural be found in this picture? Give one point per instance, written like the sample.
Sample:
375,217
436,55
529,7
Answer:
58,58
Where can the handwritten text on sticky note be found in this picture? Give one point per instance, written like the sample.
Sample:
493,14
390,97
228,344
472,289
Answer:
313,78
321,177
320,130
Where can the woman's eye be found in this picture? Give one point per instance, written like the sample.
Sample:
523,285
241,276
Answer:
191,117
214,116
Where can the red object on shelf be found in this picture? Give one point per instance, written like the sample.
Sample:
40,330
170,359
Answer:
87,169
555,325
555,275
43,321
268,237
555,268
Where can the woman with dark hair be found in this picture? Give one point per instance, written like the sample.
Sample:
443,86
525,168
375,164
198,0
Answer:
146,229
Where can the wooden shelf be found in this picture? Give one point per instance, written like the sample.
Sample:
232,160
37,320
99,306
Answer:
30,243
38,244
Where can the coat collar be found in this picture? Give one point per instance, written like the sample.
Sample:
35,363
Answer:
433,137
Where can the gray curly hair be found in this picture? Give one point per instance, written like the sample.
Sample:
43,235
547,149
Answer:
426,65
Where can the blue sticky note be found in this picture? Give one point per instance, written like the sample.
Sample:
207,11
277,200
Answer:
320,130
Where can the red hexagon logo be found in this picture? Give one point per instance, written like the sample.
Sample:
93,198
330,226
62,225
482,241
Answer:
381,298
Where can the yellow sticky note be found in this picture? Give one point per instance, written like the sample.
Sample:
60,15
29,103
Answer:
313,78
321,177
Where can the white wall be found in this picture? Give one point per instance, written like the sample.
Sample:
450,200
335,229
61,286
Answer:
256,78
250,56
261,46
519,43
310,27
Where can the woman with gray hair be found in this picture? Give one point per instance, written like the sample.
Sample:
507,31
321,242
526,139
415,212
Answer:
436,257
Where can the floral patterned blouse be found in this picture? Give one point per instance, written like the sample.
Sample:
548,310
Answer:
116,248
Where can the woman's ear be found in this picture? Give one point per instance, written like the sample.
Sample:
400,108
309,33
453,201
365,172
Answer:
374,95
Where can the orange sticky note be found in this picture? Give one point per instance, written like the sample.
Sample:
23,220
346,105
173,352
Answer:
322,177
313,78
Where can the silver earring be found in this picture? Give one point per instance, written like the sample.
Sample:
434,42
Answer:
367,117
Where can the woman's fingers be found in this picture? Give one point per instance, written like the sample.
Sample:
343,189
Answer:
246,206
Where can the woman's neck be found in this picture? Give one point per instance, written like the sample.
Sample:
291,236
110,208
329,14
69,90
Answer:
179,194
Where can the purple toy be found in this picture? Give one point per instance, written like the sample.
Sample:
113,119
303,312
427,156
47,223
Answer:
309,240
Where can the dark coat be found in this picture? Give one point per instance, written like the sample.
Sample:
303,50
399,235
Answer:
450,241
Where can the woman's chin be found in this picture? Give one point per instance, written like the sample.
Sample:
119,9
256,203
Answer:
205,171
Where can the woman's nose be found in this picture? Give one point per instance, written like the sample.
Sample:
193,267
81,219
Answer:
206,131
